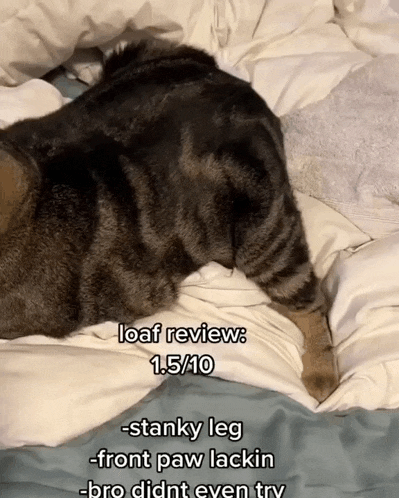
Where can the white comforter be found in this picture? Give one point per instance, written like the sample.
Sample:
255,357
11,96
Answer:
294,53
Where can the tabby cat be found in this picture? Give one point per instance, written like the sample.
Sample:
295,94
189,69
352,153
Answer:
166,164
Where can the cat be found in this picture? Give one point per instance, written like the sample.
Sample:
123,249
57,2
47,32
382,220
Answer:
166,164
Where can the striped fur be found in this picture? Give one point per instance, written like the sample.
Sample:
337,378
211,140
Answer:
166,164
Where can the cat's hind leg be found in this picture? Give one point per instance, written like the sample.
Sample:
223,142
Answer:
320,374
273,252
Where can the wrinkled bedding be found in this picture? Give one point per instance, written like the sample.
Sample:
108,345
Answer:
294,54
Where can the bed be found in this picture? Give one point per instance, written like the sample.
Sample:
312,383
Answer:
88,415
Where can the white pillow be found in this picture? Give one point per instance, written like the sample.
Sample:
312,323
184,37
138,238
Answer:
289,50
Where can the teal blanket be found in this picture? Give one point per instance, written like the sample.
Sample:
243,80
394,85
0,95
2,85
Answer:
198,437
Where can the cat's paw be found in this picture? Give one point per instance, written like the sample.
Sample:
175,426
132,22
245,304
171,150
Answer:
320,386
320,375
